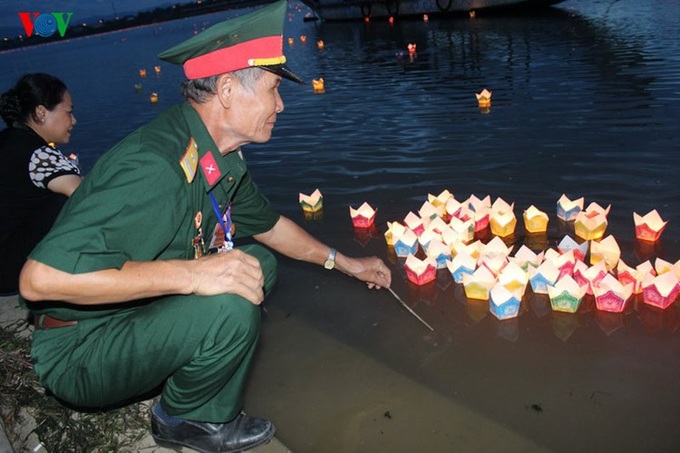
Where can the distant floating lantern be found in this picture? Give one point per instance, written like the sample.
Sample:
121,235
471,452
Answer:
291,41
426,18
473,14
484,98
153,98
142,72
411,48
318,86
319,44
303,38
157,69
367,19
391,20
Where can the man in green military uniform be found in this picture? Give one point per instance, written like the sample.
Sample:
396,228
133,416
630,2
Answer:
139,284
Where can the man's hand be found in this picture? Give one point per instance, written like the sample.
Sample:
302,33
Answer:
233,272
371,270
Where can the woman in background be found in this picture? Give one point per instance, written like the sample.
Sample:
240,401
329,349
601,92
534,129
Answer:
35,177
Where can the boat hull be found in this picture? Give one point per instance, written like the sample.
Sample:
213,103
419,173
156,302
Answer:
347,10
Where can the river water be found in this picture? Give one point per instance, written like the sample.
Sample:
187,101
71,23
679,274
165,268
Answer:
585,103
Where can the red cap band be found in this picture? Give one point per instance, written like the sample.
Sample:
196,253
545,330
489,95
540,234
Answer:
233,58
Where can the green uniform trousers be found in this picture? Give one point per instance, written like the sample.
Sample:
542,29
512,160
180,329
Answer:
200,347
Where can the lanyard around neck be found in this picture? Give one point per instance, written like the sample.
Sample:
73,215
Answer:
226,226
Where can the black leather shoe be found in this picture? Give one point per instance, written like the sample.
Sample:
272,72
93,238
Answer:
242,433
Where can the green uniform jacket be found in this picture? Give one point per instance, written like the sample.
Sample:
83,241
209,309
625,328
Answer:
141,201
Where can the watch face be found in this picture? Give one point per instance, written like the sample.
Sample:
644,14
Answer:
329,264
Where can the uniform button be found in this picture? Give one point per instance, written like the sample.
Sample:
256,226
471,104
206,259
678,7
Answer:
230,179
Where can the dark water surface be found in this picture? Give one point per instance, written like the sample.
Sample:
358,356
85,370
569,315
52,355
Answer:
586,101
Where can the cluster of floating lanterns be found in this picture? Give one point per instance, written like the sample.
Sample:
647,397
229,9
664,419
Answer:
443,235
153,97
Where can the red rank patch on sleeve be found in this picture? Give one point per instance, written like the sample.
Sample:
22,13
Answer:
210,169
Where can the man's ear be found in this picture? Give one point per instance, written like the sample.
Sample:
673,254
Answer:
225,89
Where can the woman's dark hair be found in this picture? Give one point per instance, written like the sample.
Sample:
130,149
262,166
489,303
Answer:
19,103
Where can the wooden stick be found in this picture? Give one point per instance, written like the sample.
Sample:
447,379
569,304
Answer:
410,310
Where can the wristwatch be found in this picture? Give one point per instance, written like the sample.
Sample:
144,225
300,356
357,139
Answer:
330,261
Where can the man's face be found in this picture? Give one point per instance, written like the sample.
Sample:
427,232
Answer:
254,109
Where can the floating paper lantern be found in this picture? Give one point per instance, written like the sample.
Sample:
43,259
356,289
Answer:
312,202
153,98
429,211
367,19
291,41
439,252
662,266
303,38
426,18
157,69
606,250
503,304
566,295
660,291
419,271
568,209
481,218
478,284
362,217
514,279
438,226
626,274
415,223
472,14
411,49
611,295
535,220
473,249
318,85
649,227
390,20
525,257
475,203
495,263
590,225
484,98
452,208
543,276
494,247
320,44
594,207
395,230
564,262
502,223
589,277
568,244
142,73
426,237
463,263
465,230
406,244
